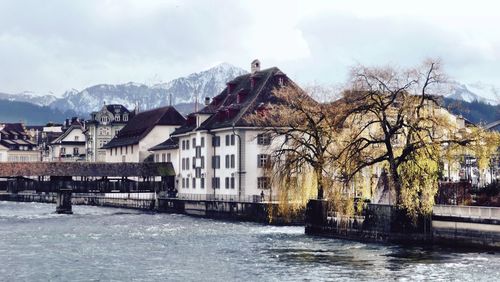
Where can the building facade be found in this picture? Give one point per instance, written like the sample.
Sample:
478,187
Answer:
70,145
102,127
221,154
144,130
16,144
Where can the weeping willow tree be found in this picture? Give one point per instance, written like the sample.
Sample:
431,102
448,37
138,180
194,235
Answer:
483,149
303,150
394,120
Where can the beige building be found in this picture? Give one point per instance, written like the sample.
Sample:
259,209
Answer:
144,130
102,127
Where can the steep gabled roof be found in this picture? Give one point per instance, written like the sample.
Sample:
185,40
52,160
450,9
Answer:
256,89
142,123
75,125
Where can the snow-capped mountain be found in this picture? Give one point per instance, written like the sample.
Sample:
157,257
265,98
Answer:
473,92
30,97
181,90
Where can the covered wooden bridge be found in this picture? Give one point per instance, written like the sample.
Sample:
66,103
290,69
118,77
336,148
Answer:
87,177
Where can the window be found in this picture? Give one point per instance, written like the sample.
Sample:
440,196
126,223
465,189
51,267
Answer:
77,138
126,150
227,183
227,161
75,151
187,163
183,144
263,139
202,142
187,144
125,117
227,140
215,182
63,151
194,183
111,152
187,182
197,172
194,162
183,163
215,141
202,162
232,182
104,119
198,151
233,165
233,137
157,158
163,157
121,150
280,81
117,117
202,183
263,183
194,142
262,160
183,183
168,157
215,161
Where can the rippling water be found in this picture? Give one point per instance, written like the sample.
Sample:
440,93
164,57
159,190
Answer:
102,244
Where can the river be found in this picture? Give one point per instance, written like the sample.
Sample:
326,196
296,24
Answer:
108,244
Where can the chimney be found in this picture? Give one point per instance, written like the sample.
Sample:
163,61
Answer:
207,101
255,66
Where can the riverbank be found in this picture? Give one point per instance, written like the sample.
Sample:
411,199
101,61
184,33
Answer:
266,213
475,227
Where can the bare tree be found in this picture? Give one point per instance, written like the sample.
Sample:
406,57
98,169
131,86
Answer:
394,118
303,134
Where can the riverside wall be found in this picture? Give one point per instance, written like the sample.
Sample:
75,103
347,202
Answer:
217,209
384,223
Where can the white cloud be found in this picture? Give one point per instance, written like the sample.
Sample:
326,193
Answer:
55,45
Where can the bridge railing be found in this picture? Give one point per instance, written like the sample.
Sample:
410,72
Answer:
94,186
467,211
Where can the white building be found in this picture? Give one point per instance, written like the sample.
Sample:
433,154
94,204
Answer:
102,127
69,146
221,155
16,144
144,130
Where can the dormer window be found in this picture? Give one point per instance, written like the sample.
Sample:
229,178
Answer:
240,97
125,117
281,81
117,117
104,119
77,138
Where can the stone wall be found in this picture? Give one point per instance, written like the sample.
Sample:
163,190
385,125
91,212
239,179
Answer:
378,223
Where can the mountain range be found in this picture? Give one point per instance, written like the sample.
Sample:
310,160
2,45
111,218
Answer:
181,92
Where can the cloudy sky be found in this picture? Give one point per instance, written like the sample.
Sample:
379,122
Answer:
50,46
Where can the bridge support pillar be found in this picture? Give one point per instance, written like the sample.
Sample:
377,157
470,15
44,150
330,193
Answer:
64,201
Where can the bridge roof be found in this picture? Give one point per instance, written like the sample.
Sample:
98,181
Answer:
86,169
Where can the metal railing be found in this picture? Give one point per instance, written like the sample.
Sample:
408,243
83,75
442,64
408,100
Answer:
224,198
467,211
